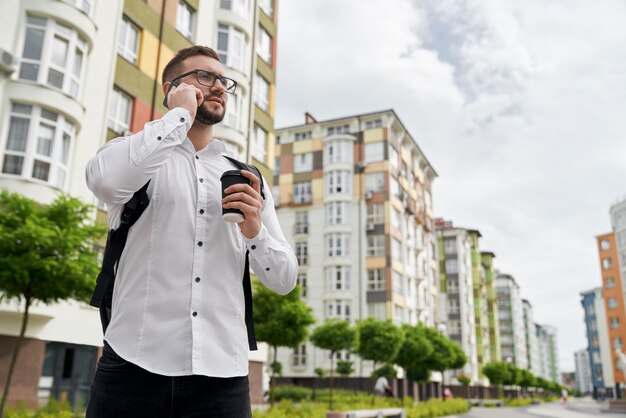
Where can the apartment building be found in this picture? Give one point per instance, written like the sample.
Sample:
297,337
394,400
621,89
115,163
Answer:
598,343
76,73
456,275
583,372
532,346
511,321
492,306
548,352
354,198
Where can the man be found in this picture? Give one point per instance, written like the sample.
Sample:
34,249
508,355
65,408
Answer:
177,344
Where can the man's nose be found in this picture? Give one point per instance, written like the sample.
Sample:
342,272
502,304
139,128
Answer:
218,86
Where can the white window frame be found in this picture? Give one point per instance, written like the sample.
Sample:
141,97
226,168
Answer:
261,92
55,152
302,253
338,309
298,358
185,19
396,218
85,6
233,53
239,7
452,266
116,120
303,163
259,144
128,48
607,263
373,124
302,222
374,152
393,158
397,282
396,249
338,182
337,278
376,245
71,71
302,192
267,7
394,187
264,45
337,213
301,136
375,182
338,151
376,213
376,279
449,246
338,244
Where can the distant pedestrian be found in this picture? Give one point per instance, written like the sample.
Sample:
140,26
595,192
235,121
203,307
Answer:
447,393
564,395
382,388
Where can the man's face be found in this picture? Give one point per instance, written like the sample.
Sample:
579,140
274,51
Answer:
213,108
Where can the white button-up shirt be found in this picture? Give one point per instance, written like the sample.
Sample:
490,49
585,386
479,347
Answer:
178,304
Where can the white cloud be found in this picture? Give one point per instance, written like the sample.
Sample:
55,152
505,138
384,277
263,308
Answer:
518,105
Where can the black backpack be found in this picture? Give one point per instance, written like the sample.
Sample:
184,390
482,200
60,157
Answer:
116,241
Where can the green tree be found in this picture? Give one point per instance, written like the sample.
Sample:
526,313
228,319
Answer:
334,335
345,368
497,372
526,380
446,353
320,374
465,382
46,254
377,340
280,321
414,352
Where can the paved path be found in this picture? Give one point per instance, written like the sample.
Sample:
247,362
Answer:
575,408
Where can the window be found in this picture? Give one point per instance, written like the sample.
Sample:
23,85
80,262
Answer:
232,119
396,219
338,309
338,152
610,283
449,246
617,343
53,54
452,286
185,17
338,181
303,163
38,144
302,192
264,45
337,130
302,222
393,158
259,145
371,124
397,283
375,213
128,40
303,135
396,249
452,266
261,92
395,187
302,282
120,110
84,5
612,303
398,315
453,306
607,263
614,322
338,245
337,278
377,310
266,6
374,151
604,244
454,326
591,311
595,357
375,245
299,356
230,46
376,279
239,7
302,252
337,213
374,182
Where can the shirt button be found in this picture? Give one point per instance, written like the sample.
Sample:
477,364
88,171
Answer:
201,211
195,313
158,138
182,119
199,243
267,269
197,158
253,247
197,280
201,180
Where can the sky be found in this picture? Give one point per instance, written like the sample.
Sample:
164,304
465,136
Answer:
520,106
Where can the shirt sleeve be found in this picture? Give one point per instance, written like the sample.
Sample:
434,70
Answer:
122,166
271,257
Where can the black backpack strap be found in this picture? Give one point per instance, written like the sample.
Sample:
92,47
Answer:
243,166
247,296
116,241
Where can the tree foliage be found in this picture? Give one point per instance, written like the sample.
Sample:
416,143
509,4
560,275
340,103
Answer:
415,350
47,254
378,341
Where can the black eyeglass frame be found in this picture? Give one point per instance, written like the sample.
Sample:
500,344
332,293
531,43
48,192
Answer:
216,77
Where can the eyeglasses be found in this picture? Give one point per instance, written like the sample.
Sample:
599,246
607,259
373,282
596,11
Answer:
208,79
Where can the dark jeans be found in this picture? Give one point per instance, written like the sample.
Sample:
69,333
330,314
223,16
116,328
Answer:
121,389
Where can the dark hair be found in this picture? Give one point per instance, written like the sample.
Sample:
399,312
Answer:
183,54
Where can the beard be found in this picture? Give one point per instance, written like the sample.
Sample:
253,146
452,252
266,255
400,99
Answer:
209,117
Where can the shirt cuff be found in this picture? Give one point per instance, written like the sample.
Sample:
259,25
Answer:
258,243
178,116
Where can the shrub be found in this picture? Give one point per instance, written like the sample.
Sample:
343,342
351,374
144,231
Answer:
293,393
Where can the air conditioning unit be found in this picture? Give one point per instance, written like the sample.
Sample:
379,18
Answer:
370,226
8,63
369,194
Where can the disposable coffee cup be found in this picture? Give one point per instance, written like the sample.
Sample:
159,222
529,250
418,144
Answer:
229,178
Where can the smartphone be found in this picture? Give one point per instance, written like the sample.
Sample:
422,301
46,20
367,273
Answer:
172,85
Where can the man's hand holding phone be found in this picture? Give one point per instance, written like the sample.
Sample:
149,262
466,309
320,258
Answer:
184,95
